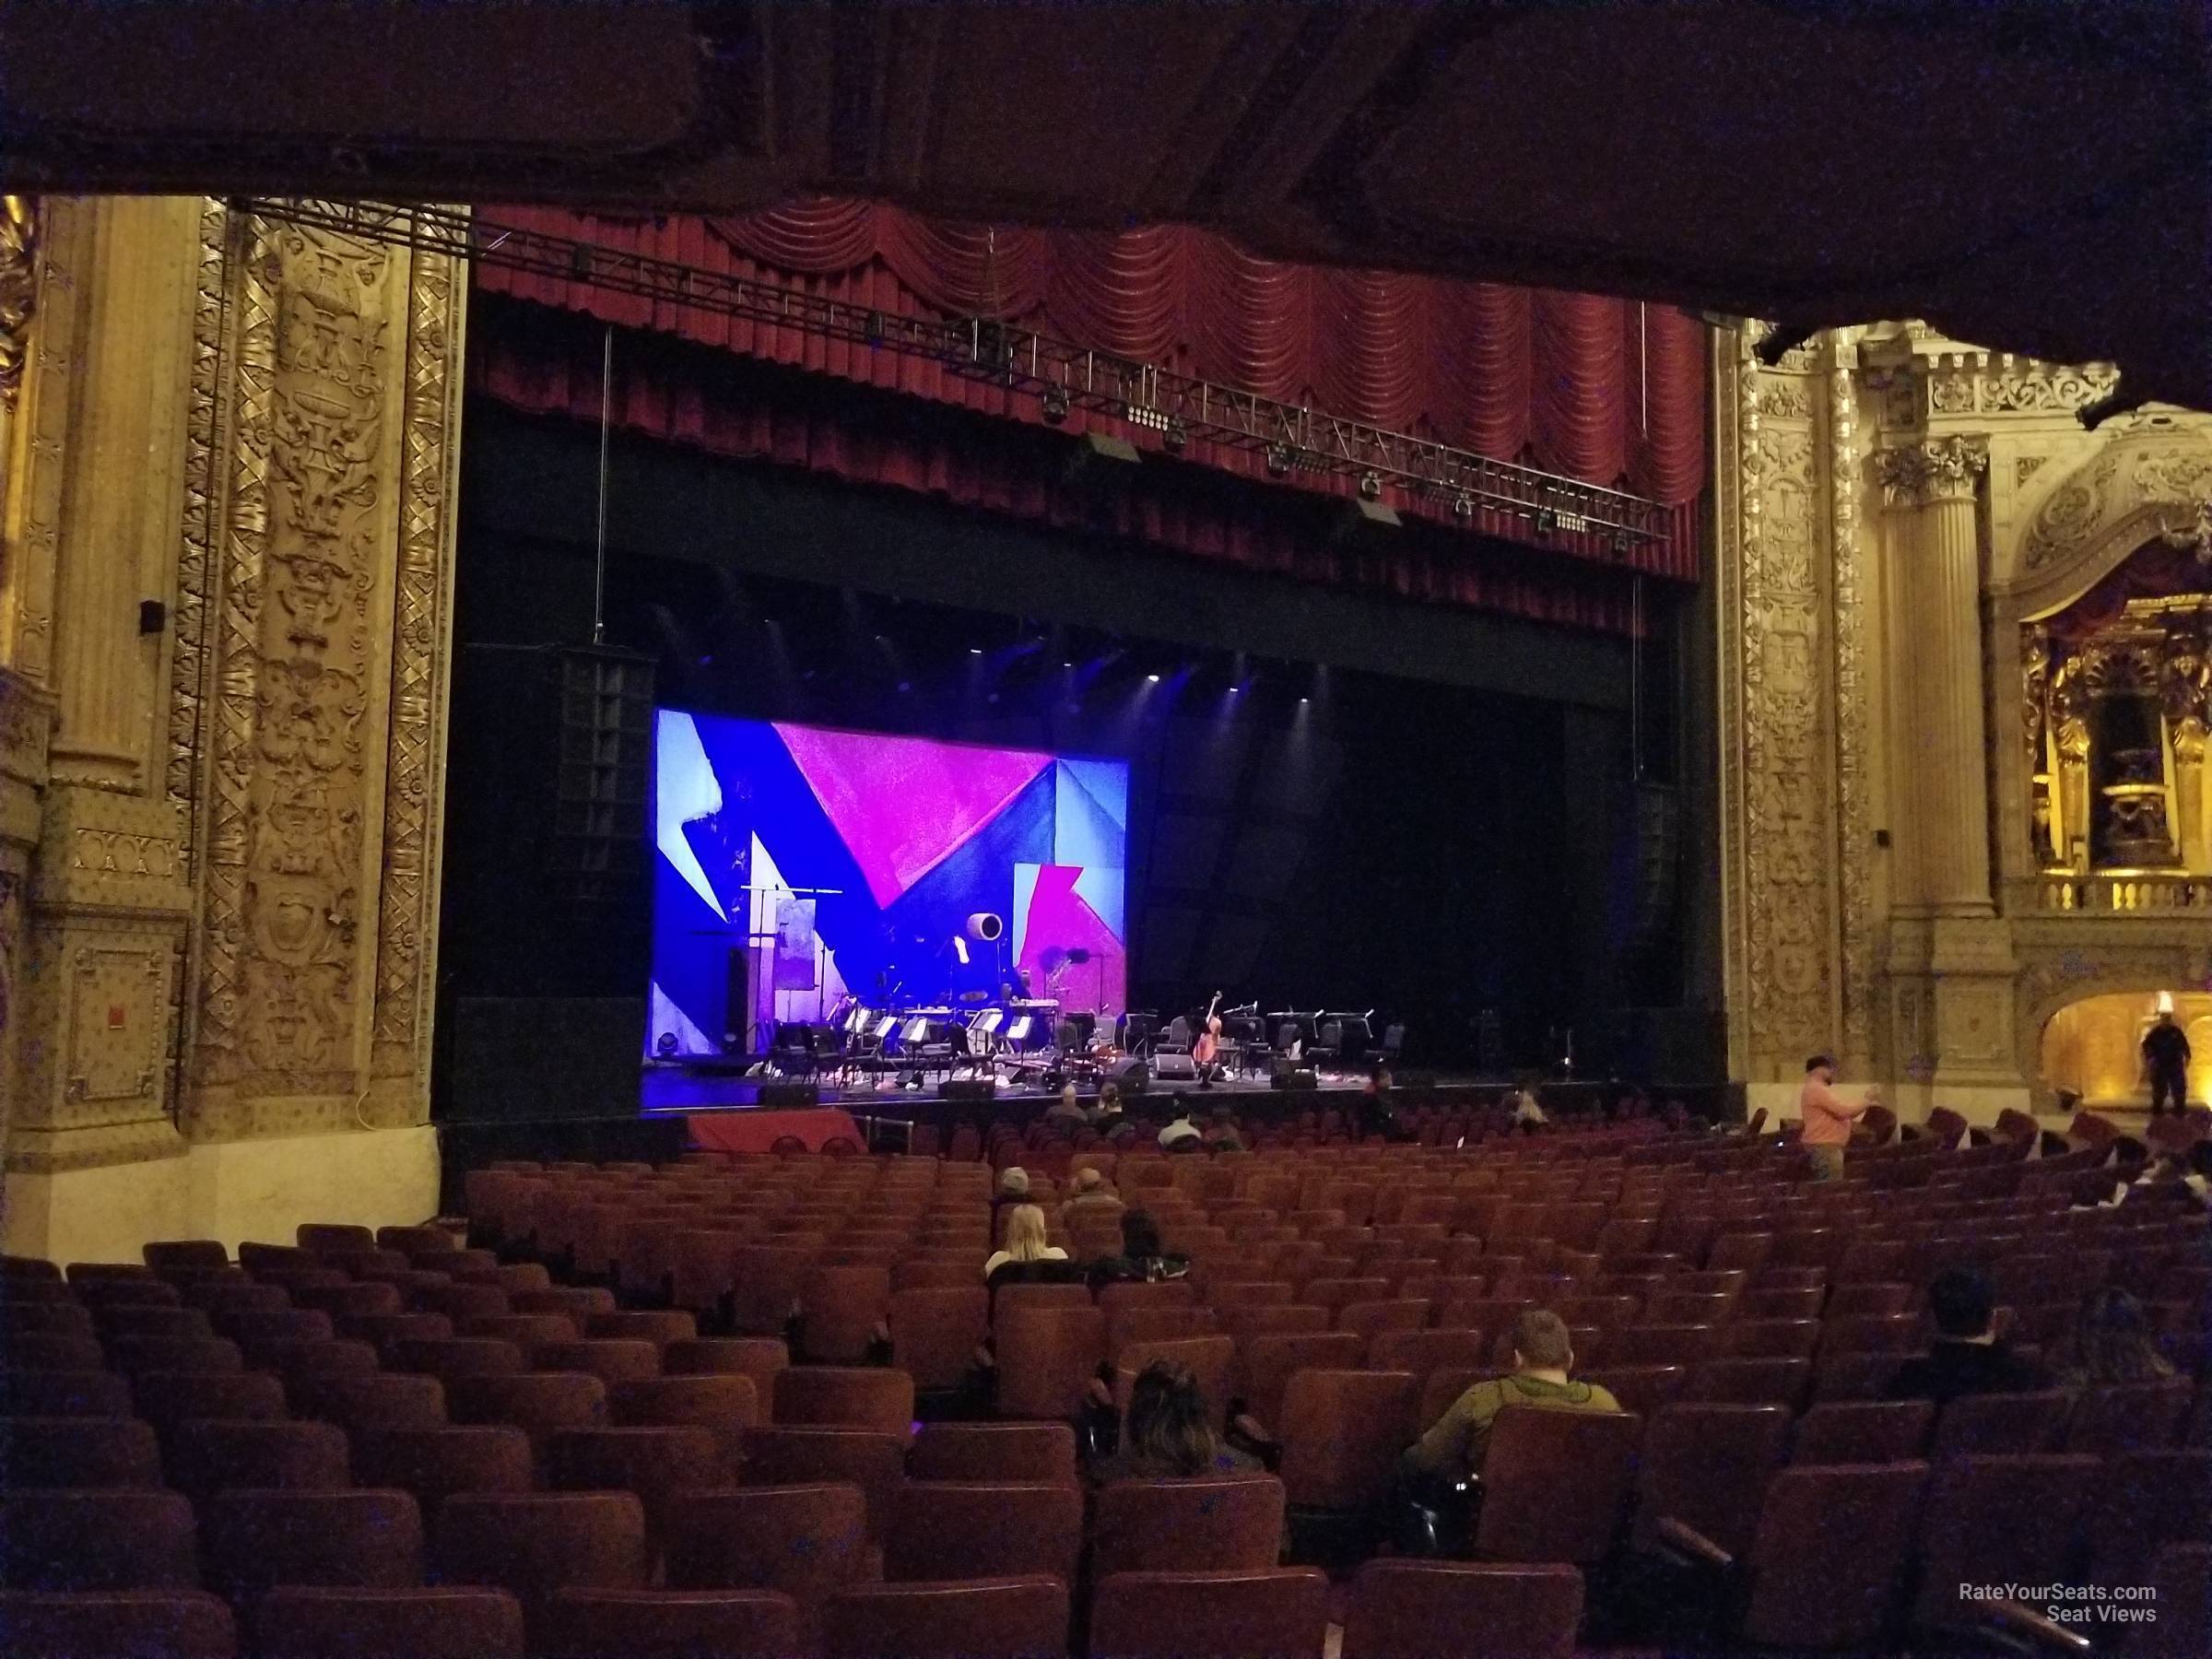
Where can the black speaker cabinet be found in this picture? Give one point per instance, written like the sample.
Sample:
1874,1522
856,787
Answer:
968,1089
1300,1079
1130,1075
1173,1066
790,1094
603,755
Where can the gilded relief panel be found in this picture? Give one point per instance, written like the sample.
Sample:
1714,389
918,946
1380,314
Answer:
321,556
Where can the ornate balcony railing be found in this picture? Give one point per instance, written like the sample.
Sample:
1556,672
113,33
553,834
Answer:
2116,894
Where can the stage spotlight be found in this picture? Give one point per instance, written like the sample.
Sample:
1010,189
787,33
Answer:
1547,520
1176,435
1278,460
1620,544
1371,486
2096,412
1304,700
1055,404
1152,679
975,651
1782,339
1463,505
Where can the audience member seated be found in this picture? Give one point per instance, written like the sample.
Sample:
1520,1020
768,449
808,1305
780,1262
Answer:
1107,1114
1221,1133
2111,1342
1967,1357
1142,1259
1092,1196
1167,1436
1181,1134
1066,1113
1013,1188
1526,1112
1543,1360
1024,1247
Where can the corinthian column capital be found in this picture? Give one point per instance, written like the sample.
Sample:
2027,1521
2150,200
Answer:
1937,469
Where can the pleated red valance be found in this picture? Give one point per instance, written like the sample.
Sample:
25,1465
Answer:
1607,392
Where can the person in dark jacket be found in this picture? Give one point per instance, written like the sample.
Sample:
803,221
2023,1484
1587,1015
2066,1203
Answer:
2166,1063
1967,1357
1142,1260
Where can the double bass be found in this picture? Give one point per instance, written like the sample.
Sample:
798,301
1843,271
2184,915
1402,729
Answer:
1208,1049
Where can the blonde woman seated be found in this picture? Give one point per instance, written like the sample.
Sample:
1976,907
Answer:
1026,1259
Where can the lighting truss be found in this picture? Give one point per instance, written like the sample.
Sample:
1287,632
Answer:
1178,408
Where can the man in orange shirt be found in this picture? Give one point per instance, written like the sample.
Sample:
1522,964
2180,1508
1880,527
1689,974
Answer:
1827,1119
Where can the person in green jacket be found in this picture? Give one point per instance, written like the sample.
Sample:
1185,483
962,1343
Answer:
1453,1447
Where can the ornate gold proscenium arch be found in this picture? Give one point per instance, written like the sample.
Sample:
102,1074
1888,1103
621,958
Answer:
2088,521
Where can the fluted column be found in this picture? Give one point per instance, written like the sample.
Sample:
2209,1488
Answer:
1943,724
118,518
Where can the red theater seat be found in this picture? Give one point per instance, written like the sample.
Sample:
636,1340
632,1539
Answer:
983,1619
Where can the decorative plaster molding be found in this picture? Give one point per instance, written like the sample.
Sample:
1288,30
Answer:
19,290
1936,469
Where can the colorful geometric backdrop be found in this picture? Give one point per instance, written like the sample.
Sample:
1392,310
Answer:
895,841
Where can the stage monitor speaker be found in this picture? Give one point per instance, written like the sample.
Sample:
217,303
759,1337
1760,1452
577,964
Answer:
790,1094
601,760
968,1089
1130,1075
1172,1066
1299,1079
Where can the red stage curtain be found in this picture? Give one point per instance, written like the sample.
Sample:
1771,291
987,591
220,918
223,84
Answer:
1607,392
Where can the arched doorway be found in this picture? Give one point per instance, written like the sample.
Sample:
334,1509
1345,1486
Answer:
2089,1046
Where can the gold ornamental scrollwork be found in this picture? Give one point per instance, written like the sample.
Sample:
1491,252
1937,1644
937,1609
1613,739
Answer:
19,290
1937,469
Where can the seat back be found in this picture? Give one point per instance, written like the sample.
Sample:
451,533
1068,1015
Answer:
1342,1433
371,1400
207,1456
1026,1452
970,1529
2131,1416
804,1541
1188,1525
534,1544
1207,1358
1556,1483
658,1463
1998,1520
301,1622
1265,1364
1994,1424
256,1540
1272,1611
934,1332
673,1624
1415,1609
1046,1359
874,1462
173,1624
1750,1381
838,1397
35,1394
1708,1464
87,1540
1828,1560
433,1463
983,1619
1861,1431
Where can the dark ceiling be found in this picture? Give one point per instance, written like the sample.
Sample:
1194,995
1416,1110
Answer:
2032,175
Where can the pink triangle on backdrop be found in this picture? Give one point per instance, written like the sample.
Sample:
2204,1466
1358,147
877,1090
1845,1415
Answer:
1058,921
902,803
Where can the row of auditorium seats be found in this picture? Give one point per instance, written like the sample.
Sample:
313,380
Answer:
1266,1299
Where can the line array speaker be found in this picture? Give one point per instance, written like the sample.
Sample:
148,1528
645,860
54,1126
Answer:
602,754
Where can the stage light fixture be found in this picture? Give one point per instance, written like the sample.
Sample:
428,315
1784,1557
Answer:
1620,544
1055,404
975,651
2096,412
1782,339
1151,679
1176,435
1463,505
1278,460
1371,486
1547,520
